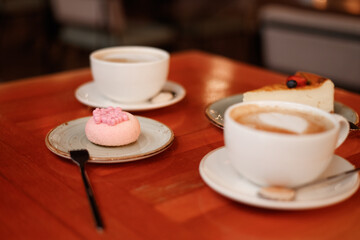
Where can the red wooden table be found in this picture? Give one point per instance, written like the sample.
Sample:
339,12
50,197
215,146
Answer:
162,197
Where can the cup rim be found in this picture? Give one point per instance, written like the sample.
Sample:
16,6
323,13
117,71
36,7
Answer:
285,104
165,55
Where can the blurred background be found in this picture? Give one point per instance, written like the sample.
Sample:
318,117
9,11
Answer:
321,36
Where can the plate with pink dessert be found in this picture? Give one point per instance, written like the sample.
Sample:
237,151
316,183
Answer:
153,139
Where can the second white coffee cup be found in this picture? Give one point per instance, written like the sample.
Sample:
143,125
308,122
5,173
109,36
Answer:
268,157
129,74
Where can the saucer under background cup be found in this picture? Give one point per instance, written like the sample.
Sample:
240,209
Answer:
89,95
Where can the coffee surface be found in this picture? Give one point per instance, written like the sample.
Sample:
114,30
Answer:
280,120
127,57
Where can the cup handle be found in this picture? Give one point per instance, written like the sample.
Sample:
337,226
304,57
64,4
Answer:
344,129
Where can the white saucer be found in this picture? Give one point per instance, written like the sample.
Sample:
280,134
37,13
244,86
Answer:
90,96
216,171
155,137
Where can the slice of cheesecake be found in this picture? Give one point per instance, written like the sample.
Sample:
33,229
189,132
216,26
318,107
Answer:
318,92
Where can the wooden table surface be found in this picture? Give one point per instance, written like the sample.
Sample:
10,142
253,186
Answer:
162,197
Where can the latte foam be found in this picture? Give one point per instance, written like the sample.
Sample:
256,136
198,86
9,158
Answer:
280,120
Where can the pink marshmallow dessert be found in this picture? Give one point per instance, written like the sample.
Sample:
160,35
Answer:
112,127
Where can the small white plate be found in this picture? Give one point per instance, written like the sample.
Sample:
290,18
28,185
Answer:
217,172
154,138
215,111
89,95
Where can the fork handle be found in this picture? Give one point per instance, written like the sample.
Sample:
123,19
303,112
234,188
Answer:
90,195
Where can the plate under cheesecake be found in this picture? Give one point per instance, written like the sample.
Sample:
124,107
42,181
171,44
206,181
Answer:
303,87
215,111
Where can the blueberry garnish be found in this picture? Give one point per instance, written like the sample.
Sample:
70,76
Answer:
291,84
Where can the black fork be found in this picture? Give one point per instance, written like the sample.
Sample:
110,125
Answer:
80,157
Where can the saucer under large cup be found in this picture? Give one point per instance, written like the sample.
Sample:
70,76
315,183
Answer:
89,95
217,172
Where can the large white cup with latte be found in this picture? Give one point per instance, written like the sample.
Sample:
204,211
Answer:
129,74
275,143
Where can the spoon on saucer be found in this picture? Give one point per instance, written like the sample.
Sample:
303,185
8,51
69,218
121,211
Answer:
279,193
353,126
163,96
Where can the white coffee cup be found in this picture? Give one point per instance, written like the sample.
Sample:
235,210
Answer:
131,73
270,158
